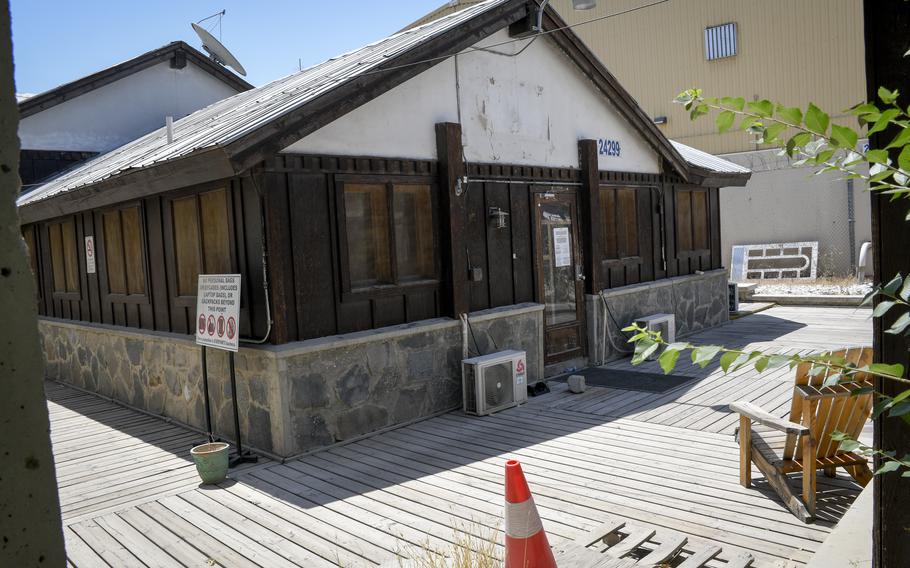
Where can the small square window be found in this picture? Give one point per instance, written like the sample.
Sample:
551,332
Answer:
720,41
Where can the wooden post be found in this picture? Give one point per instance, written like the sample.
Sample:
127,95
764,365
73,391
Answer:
745,451
886,24
452,219
278,238
590,224
808,457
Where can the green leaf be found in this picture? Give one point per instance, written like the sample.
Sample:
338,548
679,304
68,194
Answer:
887,97
877,156
901,396
791,115
848,445
900,325
748,122
771,133
902,138
668,360
816,120
890,289
644,349
763,108
903,160
699,110
762,363
883,307
844,136
895,370
899,409
776,361
888,466
883,121
862,109
725,120
703,355
727,359
736,103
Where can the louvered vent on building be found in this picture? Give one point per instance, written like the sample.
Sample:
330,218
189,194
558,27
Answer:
720,41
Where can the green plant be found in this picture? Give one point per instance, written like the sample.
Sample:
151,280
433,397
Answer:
808,136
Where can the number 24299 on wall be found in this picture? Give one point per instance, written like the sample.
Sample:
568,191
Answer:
608,147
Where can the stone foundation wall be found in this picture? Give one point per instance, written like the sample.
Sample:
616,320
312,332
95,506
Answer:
295,397
699,301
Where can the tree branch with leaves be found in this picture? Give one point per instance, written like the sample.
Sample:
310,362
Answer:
809,138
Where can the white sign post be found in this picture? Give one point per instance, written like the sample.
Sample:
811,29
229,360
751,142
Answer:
218,326
218,311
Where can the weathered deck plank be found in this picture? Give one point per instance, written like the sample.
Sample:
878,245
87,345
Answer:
663,462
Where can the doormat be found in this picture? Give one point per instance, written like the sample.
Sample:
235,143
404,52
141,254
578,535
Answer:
631,380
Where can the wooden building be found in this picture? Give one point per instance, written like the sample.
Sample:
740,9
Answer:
110,107
460,167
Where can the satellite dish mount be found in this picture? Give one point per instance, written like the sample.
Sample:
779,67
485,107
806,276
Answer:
216,50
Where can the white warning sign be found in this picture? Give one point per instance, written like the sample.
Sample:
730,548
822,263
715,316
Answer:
562,247
218,311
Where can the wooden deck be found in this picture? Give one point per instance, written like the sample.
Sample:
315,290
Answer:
665,461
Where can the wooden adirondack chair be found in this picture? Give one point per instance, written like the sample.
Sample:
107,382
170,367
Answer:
803,443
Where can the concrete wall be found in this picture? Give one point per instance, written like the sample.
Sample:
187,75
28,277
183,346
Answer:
295,397
699,301
117,113
529,109
785,204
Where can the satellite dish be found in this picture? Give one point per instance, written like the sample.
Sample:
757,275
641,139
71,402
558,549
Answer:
217,51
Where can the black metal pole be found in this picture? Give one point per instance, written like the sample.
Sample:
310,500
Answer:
240,457
234,396
205,392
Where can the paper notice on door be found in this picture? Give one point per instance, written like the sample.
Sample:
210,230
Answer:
562,248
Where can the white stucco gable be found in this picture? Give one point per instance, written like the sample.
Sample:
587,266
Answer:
525,107
112,115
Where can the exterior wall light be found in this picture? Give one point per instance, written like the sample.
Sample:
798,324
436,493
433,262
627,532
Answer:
498,217
659,120
576,4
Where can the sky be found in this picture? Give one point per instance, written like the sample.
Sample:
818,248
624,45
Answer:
55,42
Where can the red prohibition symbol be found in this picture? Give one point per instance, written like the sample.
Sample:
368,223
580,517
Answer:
211,325
220,326
202,324
231,327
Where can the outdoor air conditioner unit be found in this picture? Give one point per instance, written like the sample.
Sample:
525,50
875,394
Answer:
664,323
494,382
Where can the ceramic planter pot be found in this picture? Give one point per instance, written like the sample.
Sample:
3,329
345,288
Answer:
211,461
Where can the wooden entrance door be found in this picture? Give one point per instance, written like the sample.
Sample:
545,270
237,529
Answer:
560,280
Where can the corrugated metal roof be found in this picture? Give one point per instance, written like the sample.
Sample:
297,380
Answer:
708,161
236,116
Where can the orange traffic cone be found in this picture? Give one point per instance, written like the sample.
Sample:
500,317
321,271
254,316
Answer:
526,541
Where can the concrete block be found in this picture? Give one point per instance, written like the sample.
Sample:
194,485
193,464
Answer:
577,384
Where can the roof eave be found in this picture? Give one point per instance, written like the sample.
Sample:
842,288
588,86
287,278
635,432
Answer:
83,85
710,178
202,166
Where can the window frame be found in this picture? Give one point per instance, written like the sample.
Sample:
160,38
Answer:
639,216
349,293
34,256
681,252
67,295
101,254
170,244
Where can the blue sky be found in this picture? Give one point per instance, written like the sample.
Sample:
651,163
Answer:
57,41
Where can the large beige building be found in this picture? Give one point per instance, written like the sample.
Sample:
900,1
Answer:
788,52
784,51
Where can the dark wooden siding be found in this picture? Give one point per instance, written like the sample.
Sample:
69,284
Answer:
303,238
36,165
159,308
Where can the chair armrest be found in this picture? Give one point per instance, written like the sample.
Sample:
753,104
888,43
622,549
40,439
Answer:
757,414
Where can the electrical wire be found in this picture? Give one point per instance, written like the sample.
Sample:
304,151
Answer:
488,48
